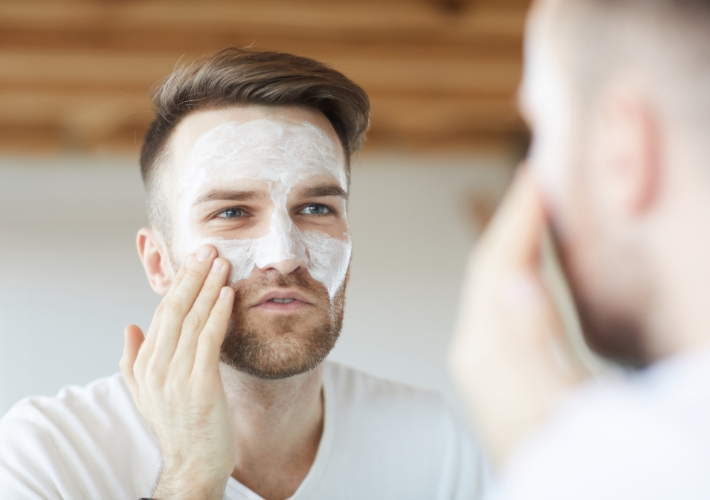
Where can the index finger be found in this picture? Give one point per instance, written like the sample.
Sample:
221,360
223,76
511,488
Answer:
157,323
179,303
518,225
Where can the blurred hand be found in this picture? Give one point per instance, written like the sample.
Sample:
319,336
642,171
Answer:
174,377
509,357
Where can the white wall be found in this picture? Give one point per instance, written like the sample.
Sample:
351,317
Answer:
70,279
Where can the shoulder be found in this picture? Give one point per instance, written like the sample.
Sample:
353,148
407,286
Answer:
72,402
74,441
103,403
641,438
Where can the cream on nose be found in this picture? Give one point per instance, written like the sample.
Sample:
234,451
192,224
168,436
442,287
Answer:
283,248
285,266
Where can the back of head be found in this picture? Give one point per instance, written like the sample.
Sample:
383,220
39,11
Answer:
666,41
247,77
618,92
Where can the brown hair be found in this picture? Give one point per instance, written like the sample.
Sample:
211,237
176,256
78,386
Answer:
239,76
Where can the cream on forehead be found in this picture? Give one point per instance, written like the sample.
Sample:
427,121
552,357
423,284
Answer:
283,153
269,150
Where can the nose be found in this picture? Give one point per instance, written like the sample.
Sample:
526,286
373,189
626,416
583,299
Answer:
287,266
283,249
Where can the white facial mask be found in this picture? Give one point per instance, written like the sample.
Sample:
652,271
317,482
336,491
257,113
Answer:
284,154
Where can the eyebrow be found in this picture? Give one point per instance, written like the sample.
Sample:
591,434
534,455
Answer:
322,191
230,195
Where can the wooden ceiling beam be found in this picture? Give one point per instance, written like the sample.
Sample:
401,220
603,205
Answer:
376,74
419,20
75,74
87,117
96,38
402,120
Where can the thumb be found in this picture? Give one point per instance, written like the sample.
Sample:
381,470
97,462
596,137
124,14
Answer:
133,339
518,225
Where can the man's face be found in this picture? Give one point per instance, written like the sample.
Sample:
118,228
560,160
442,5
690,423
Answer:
563,157
268,188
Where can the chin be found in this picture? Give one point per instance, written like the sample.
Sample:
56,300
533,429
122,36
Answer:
274,346
612,336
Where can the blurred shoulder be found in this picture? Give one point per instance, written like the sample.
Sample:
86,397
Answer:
641,436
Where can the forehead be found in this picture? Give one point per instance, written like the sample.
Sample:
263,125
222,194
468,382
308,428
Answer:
268,143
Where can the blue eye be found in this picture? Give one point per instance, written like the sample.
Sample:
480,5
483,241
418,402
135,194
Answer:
316,210
232,213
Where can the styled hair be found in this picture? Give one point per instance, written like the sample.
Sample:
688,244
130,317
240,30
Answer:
239,76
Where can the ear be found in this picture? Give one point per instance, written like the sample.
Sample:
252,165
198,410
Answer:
156,260
630,161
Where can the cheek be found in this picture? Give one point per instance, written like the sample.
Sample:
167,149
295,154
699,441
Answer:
180,244
550,158
578,228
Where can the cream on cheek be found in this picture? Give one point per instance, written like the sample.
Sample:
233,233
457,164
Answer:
283,154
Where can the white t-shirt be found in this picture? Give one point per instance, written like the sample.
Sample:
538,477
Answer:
645,437
380,441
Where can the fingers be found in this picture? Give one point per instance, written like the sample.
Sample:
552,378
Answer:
212,336
133,338
189,415
178,304
149,344
197,318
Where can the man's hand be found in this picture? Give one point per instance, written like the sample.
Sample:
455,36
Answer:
174,377
509,356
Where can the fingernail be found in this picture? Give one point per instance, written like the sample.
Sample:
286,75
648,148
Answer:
188,261
204,254
223,292
217,266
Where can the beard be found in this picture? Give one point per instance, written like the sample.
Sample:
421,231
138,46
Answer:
271,348
607,329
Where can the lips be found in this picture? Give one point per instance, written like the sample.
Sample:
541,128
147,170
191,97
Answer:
282,297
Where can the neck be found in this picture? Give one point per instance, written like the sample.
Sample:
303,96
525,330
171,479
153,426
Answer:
277,427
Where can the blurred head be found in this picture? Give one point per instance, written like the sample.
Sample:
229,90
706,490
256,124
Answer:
250,153
616,95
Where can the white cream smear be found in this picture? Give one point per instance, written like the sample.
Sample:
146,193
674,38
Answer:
284,154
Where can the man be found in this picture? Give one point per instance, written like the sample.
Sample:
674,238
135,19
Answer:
616,94
246,168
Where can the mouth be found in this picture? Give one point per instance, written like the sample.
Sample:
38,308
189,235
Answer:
282,301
